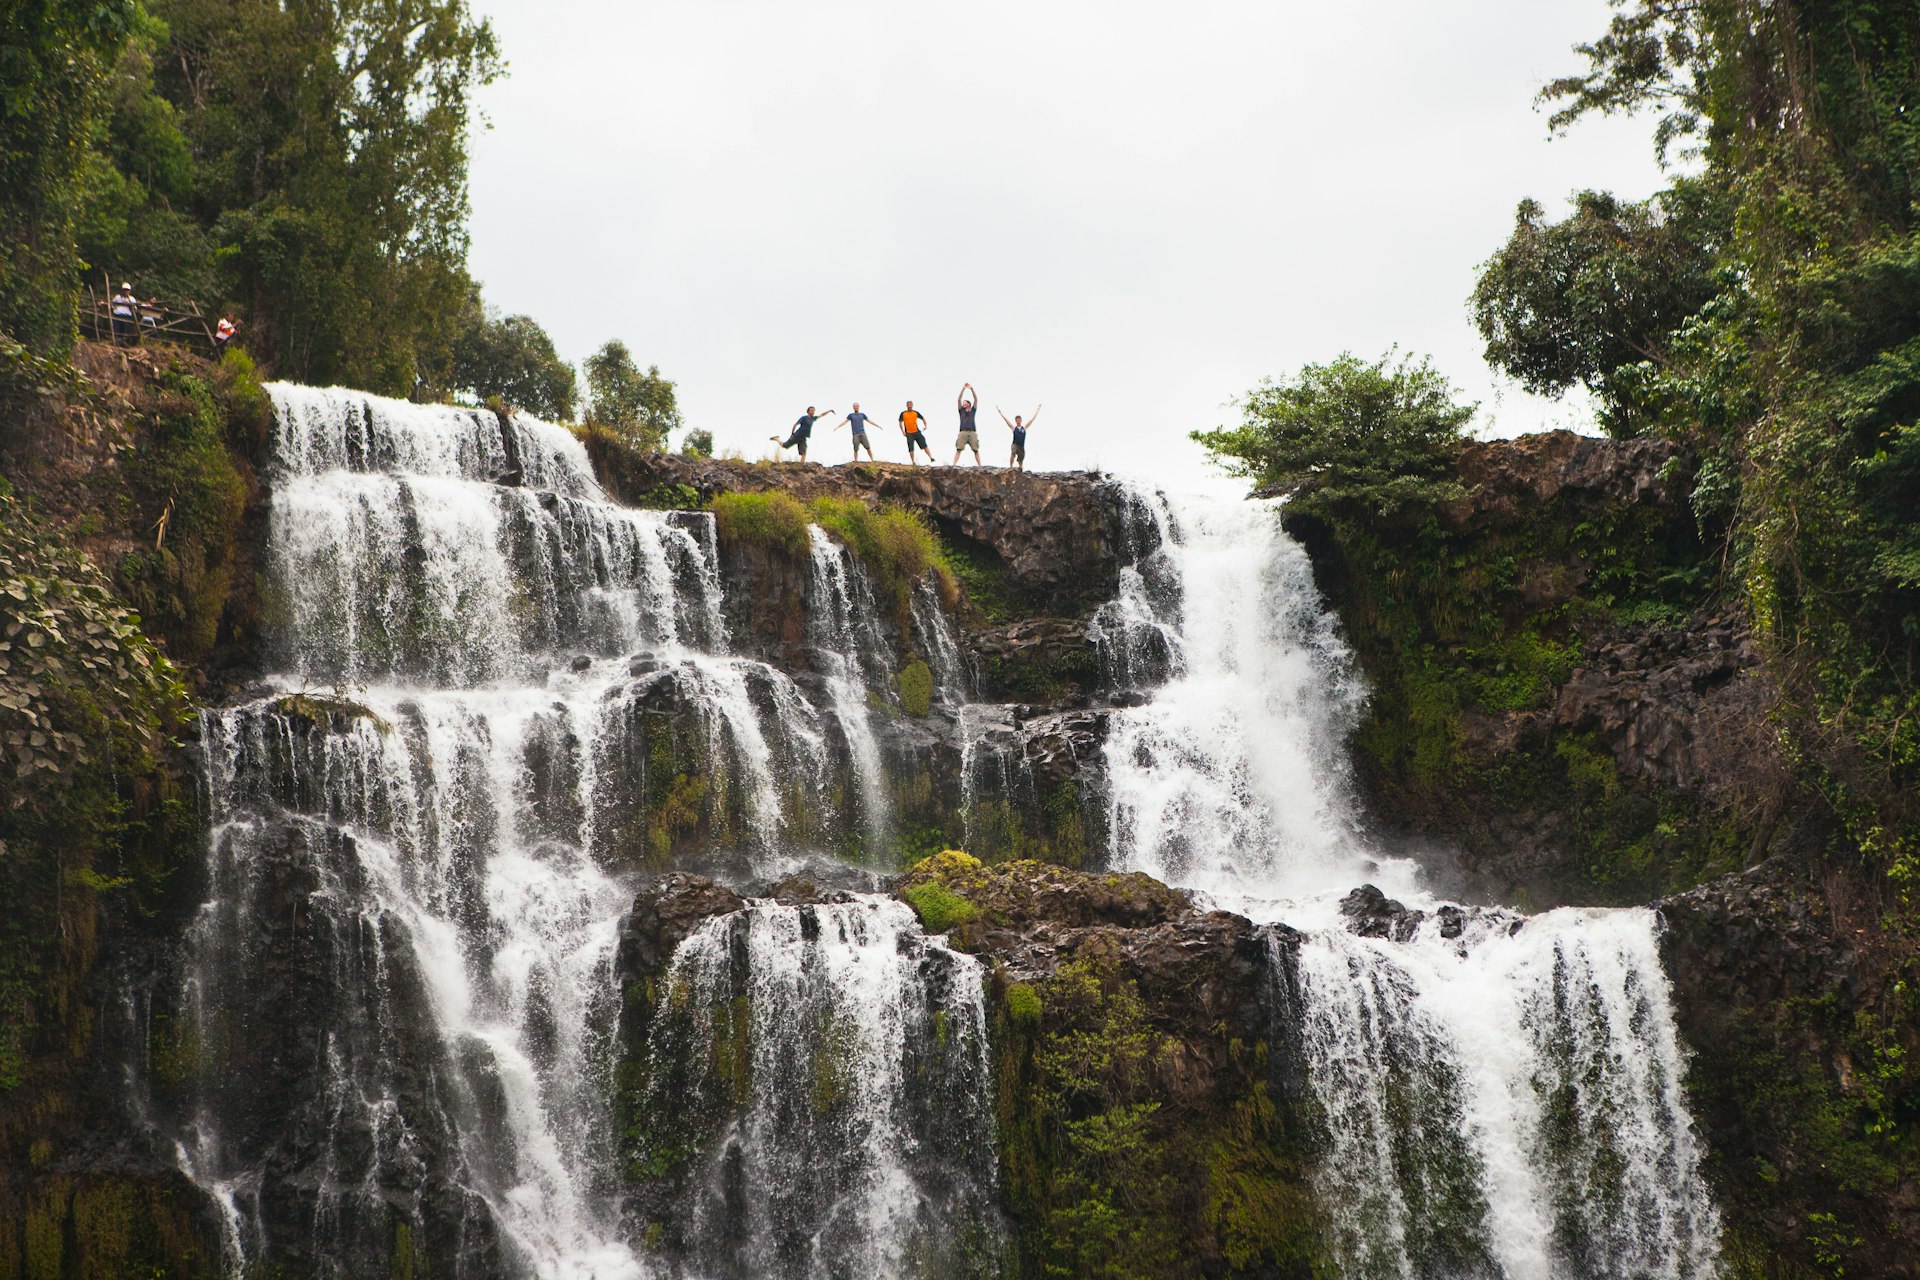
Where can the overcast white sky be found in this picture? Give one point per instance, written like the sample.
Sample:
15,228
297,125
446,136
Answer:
1131,212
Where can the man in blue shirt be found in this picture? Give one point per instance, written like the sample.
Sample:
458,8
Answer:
858,421
802,428
1018,459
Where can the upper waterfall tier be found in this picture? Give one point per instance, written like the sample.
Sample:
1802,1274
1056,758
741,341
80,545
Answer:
444,581
330,428
1228,775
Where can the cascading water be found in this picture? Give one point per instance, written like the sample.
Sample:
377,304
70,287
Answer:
1230,778
846,640
498,692
816,1078
1498,1096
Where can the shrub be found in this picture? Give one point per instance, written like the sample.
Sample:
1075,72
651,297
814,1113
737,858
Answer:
1375,433
916,688
1023,1004
940,909
776,521
895,544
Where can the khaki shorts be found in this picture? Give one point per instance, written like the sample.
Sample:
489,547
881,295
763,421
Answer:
967,440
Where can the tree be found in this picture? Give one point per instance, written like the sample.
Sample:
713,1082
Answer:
639,407
1802,373
54,58
1381,433
1596,298
513,358
698,444
330,146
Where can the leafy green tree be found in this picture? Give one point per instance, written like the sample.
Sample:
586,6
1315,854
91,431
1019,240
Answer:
639,407
54,59
513,358
698,444
1379,432
1802,373
134,220
1596,298
331,174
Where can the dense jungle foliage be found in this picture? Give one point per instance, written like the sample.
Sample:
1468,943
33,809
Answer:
300,166
1764,311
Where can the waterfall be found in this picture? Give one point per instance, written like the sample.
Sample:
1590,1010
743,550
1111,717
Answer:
845,634
817,1074
1497,1096
499,698
937,644
1230,777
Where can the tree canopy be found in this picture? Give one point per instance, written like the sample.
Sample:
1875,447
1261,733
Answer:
639,407
512,358
1596,298
1767,312
1376,432
301,161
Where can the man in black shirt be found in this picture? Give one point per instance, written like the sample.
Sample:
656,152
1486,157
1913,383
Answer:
968,437
802,428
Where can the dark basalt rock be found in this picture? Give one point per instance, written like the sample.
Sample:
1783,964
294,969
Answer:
1786,991
664,913
1372,914
1054,531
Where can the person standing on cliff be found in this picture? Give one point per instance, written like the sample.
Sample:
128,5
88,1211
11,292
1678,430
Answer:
126,316
968,438
858,421
913,427
1018,458
802,428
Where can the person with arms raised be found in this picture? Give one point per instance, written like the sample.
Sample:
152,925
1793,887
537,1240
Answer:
969,438
1018,458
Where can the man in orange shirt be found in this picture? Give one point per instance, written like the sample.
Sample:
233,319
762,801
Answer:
913,425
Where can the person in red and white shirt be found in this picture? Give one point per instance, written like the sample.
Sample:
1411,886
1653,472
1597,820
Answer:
223,333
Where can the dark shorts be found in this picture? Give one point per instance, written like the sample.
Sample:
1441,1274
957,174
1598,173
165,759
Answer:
797,438
918,438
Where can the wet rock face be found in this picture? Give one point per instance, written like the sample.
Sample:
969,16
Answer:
1120,1007
1786,993
1372,914
1508,481
1055,532
1679,708
664,914
1033,917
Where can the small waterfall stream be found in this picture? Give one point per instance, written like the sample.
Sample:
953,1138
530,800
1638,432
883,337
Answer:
839,1058
1498,1096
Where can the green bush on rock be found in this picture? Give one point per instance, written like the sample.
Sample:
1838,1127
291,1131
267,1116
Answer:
916,688
776,521
894,544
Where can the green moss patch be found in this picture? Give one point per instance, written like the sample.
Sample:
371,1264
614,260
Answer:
940,909
915,683
773,520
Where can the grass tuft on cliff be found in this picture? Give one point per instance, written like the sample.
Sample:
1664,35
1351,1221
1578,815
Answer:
895,545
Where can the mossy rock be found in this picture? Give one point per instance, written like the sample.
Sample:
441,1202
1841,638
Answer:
1009,893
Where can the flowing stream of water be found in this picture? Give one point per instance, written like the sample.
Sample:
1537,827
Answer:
1498,1095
